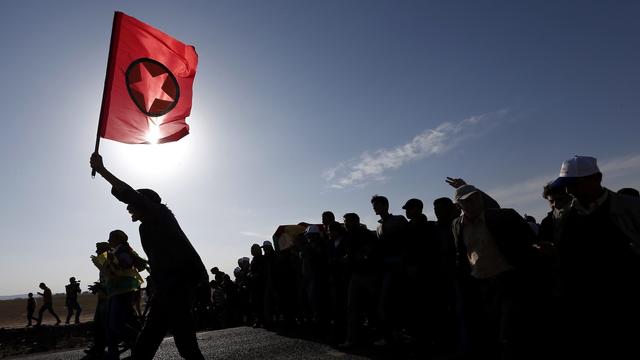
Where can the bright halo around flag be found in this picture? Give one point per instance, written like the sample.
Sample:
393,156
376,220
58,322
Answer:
149,75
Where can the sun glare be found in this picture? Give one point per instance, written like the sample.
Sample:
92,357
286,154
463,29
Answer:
153,134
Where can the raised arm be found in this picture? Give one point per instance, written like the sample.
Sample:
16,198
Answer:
121,190
97,165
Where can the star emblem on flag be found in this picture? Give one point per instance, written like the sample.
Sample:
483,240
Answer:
152,87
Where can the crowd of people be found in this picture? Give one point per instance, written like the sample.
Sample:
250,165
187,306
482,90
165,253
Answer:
479,281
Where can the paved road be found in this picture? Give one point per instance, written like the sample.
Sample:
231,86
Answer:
238,343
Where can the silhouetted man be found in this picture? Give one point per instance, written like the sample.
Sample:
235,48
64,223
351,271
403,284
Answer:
495,253
71,301
391,233
31,308
449,319
363,265
99,288
47,304
422,259
599,265
123,284
176,268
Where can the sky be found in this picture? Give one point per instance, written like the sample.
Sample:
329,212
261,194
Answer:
305,106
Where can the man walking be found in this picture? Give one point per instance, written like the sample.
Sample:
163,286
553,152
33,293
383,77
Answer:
47,304
176,267
71,301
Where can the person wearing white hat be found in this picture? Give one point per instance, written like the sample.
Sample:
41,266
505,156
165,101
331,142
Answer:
599,265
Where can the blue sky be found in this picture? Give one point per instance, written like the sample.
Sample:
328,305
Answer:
301,107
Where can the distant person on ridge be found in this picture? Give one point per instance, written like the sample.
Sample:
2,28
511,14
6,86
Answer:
71,301
31,308
47,304
175,265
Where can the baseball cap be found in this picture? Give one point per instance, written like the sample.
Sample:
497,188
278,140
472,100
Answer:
267,244
464,192
413,203
574,168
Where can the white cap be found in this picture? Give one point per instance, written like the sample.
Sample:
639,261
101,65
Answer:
577,167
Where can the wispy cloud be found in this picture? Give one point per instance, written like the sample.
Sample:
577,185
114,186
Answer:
256,235
372,165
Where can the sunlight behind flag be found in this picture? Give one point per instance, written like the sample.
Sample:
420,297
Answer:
153,134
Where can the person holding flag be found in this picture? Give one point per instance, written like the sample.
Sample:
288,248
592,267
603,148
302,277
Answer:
176,267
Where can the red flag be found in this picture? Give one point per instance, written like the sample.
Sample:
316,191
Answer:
148,86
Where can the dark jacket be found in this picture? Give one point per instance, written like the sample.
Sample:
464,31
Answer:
423,249
172,258
512,234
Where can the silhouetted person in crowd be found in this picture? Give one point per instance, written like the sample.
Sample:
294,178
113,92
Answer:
257,280
123,282
392,240
629,192
31,308
270,302
47,304
338,277
450,318
495,254
551,226
599,266
71,301
99,288
178,272
549,235
244,294
363,264
424,295
328,220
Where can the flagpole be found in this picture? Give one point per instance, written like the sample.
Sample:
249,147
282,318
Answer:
106,90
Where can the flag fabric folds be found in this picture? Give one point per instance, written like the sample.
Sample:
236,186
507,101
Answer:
148,86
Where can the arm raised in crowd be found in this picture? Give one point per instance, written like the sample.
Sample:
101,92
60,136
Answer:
98,165
121,190
489,202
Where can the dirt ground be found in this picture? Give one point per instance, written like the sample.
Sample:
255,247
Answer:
13,313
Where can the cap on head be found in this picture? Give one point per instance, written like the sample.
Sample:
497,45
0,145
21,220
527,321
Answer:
267,243
413,204
464,191
574,168
151,195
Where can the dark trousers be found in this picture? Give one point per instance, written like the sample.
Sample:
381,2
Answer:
100,326
170,309
71,307
120,322
390,309
30,316
493,312
47,307
362,293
